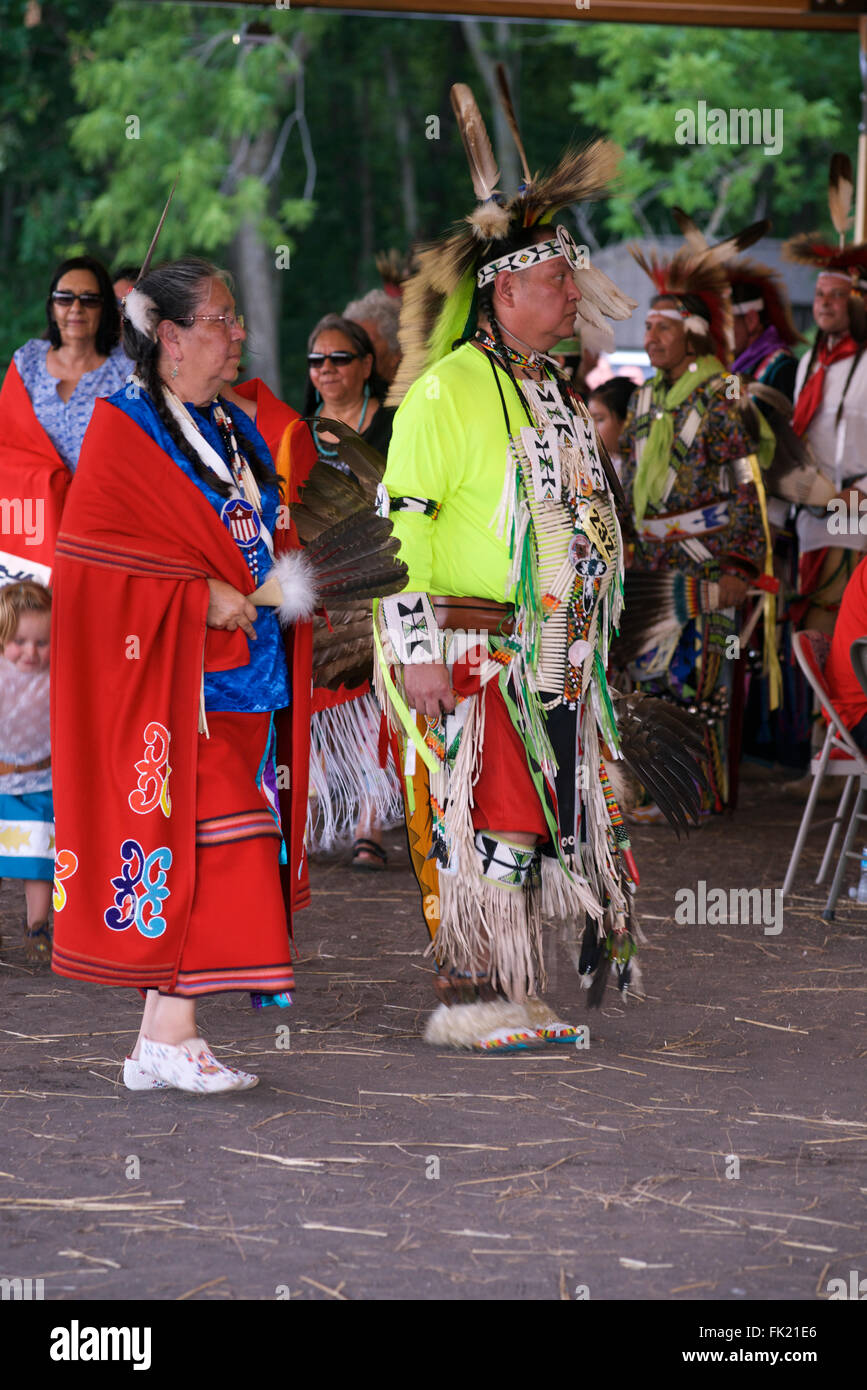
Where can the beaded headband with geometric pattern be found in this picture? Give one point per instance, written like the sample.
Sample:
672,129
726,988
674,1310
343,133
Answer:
560,245
439,306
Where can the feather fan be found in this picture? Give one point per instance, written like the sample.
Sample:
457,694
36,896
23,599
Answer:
664,747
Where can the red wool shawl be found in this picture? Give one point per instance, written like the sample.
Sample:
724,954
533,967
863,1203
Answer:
31,471
129,638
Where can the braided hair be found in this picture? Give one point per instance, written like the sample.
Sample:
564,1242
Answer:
517,240
176,291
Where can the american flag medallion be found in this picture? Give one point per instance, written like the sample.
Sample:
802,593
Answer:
242,520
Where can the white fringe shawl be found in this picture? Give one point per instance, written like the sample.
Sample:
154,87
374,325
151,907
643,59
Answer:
345,775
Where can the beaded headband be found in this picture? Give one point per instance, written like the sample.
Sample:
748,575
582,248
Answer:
560,245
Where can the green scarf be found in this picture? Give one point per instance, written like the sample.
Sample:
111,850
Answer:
652,472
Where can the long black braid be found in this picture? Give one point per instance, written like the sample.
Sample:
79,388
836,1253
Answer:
175,290
486,307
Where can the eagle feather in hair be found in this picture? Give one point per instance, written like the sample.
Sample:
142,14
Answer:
840,194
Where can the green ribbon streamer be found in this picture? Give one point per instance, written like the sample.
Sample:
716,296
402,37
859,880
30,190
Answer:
652,472
400,707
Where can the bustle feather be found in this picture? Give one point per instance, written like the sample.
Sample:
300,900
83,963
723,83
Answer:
490,219
840,190
582,174
349,556
720,251
509,109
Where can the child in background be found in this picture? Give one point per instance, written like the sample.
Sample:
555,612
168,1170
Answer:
26,808
608,406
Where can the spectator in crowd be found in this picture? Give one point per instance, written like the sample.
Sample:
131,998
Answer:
608,406
379,314
48,397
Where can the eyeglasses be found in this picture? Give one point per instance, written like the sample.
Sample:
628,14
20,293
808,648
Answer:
230,320
339,359
66,298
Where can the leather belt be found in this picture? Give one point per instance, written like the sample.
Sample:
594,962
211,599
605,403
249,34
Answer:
464,614
25,767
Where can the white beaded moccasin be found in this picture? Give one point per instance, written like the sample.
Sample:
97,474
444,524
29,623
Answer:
192,1066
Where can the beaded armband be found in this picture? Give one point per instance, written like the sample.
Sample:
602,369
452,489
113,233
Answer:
425,506
409,622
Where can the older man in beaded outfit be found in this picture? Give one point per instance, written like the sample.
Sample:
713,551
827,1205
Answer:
494,659
695,488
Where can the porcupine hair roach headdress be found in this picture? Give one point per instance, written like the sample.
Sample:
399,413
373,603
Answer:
844,262
696,279
440,299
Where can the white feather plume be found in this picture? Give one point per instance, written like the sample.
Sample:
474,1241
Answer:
296,577
142,313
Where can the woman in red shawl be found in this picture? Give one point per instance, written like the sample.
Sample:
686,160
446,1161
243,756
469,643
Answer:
167,681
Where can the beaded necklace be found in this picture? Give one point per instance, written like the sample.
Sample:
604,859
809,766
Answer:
242,515
532,361
325,452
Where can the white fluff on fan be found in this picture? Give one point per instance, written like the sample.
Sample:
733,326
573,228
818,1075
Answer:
291,587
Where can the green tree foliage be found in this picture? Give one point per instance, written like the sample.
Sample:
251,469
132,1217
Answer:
389,167
43,190
638,84
171,90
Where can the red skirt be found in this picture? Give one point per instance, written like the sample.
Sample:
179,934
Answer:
236,935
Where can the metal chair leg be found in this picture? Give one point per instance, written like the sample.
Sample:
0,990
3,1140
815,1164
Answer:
840,818
807,817
854,821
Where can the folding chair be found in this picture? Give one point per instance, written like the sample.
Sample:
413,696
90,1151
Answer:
858,658
840,757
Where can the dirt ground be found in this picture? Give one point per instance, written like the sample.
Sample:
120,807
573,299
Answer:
709,1144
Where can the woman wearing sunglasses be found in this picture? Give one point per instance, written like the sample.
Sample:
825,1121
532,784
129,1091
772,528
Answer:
343,384
48,397
352,793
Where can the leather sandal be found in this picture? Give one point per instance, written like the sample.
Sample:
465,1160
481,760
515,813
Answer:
379,861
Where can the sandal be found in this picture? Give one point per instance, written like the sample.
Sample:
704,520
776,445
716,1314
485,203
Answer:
37,943
377,864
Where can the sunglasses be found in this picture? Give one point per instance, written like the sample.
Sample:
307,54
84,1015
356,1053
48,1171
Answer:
88,300
339,359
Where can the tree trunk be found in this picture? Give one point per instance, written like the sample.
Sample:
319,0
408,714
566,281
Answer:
486,62
255,266
401,131
259,284
365,219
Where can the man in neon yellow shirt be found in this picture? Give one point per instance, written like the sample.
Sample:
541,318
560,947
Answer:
493,659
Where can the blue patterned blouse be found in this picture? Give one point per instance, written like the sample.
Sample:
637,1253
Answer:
66,421
264,683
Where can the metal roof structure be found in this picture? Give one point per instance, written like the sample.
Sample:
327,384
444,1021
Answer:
839,15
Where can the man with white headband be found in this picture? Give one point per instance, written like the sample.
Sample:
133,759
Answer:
493,664
764,330
831,415
693,480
